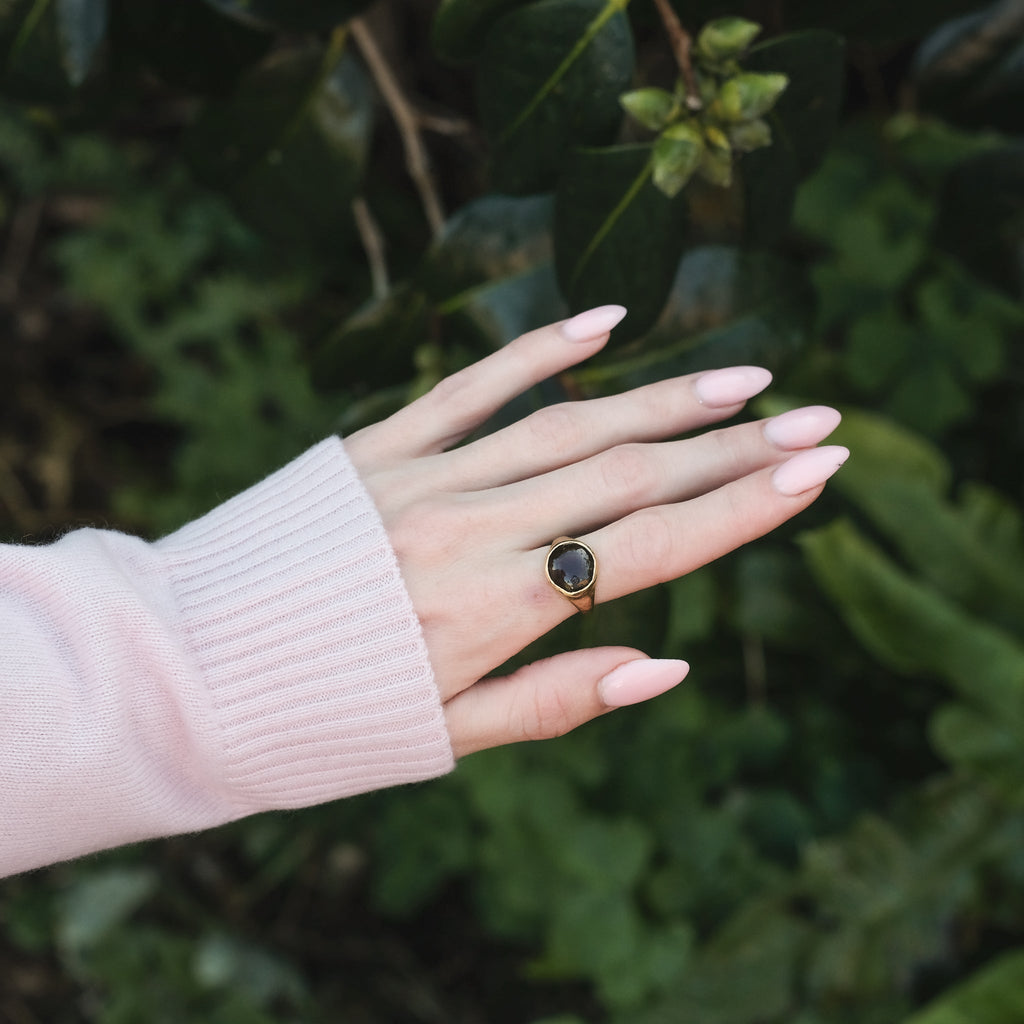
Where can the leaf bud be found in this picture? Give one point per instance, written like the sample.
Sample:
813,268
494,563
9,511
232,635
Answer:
750,135
749,96
726,37
716,160
653,108
677,154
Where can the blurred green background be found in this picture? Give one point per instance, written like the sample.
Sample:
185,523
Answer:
230,227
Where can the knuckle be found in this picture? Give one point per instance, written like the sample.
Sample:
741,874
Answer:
424,532
626,473
457,398
556,429
736,510
651,541
732,452
402,532
546,716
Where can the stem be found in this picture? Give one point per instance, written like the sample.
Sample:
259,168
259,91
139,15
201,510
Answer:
682,44
416,161
373,244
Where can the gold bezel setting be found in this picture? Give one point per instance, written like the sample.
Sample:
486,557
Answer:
579,559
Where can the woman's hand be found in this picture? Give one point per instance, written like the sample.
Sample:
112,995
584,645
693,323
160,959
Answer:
471,526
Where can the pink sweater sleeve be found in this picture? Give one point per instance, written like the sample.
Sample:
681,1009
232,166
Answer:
265,656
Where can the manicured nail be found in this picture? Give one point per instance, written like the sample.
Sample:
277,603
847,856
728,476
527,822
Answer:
637,681
801,428
808,469
732,385
592,323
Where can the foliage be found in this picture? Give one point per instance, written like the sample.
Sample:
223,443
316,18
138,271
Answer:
232,250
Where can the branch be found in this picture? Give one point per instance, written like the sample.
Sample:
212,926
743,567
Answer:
416,160
373,243
681,43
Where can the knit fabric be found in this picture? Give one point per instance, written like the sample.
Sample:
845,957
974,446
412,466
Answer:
265,656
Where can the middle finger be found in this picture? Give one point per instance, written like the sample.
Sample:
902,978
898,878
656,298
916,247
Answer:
563,434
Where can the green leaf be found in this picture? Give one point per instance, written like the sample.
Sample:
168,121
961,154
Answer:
745,973
692,610
309,15
726,38
652,107
225,962
971,551
35,68
886,452
550,78
677,154
988,189
488,317
617,237
289,146
716,159
375,346
802,122
82,25
971,739
912,628
748,96
725,307
412,863
100,901
745,138
969,70
594,932
879,346
992,995
461,26
489,238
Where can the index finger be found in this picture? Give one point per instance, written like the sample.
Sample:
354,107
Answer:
460,403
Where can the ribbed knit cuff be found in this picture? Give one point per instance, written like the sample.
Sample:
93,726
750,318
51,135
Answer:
313,659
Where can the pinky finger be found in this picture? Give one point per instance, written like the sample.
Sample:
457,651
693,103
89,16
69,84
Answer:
550,698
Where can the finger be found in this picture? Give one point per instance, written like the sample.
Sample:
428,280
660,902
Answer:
662,543
461,402
549,698
563,434
621,480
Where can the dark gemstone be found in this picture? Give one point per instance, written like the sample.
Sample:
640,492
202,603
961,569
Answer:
571,567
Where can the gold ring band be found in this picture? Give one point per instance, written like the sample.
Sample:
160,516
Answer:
571,568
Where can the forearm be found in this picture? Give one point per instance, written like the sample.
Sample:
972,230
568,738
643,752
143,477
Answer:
265,656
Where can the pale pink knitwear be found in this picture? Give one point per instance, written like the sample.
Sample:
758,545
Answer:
265,656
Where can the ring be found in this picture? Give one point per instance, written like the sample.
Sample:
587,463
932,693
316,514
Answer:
571,568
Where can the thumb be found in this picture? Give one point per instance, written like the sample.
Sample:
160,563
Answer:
551,697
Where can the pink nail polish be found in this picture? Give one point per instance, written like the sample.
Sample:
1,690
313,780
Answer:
801,428
808,469
641,680
592,323
730,386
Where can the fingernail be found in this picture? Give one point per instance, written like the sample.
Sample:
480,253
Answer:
808,469
637,681
592,323
732,385
801,428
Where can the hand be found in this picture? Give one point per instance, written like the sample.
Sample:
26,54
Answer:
471,526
